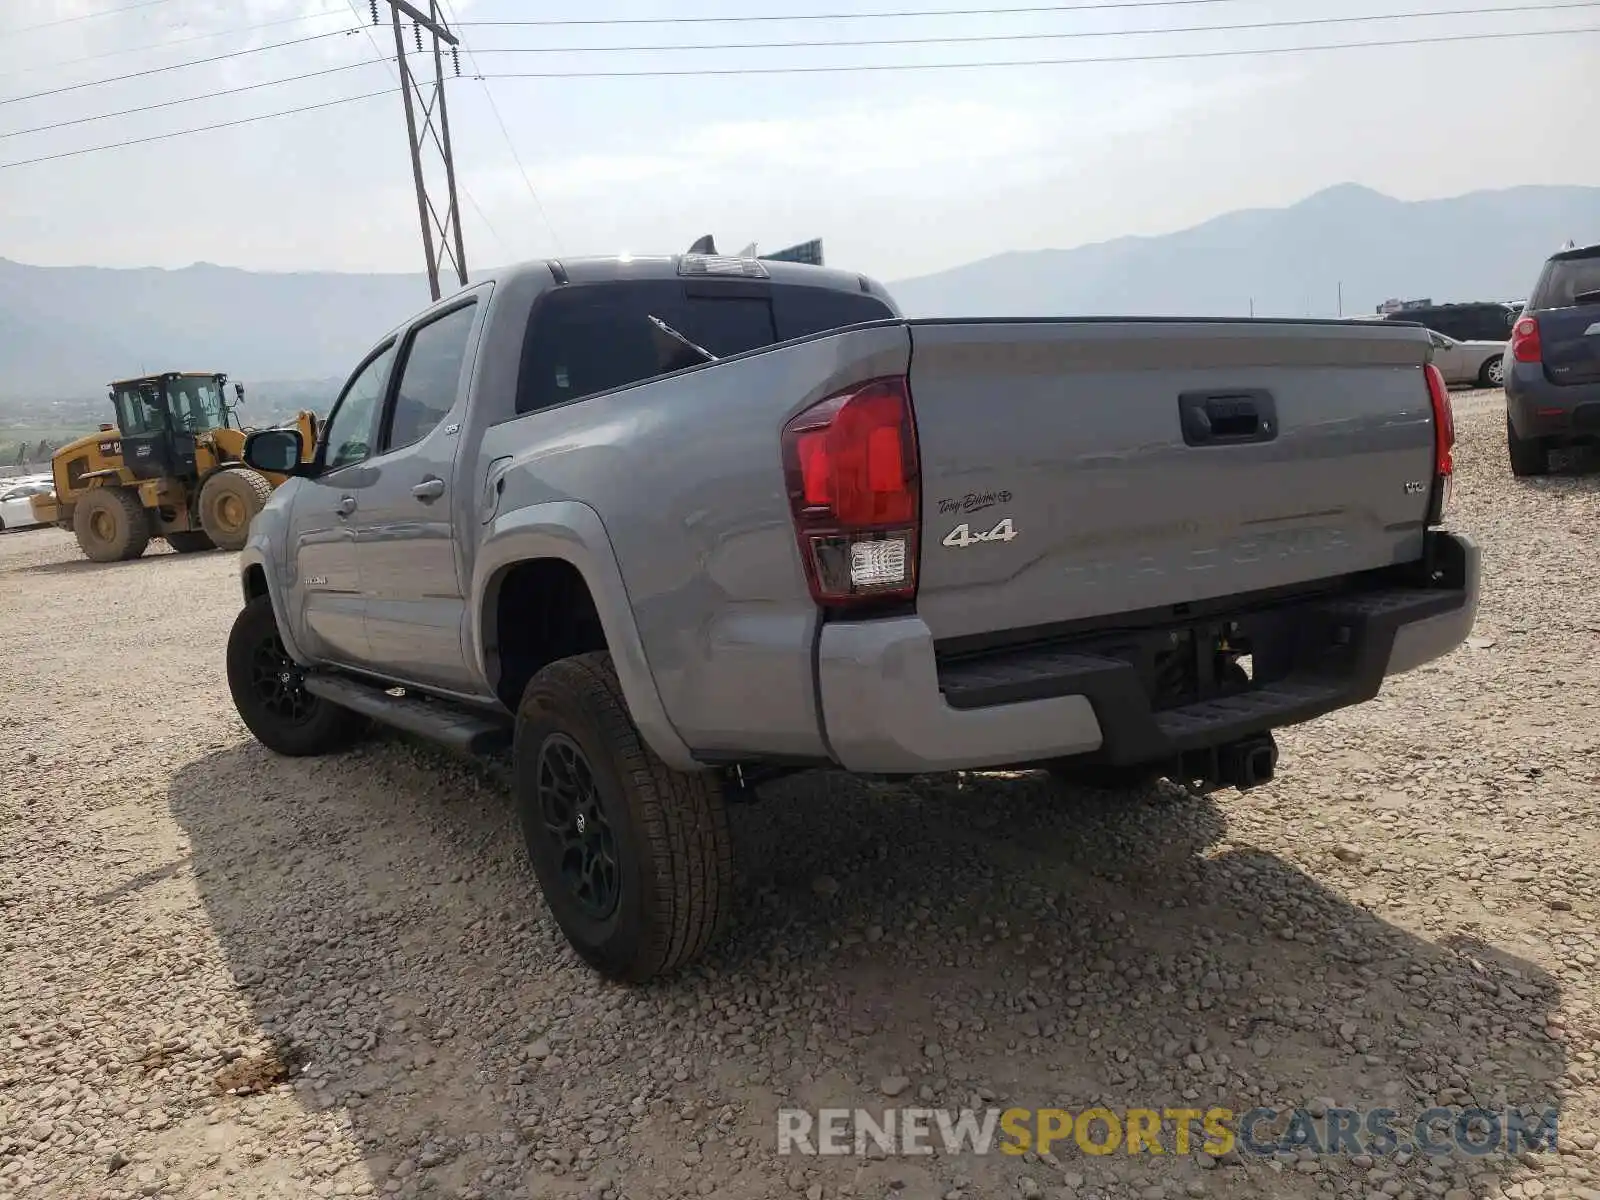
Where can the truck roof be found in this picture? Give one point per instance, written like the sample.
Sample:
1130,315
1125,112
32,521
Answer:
166,375
613,268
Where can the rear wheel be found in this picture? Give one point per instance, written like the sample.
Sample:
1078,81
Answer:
111,525
190,541
1493,373
229,500
269,691
634,858
1528,455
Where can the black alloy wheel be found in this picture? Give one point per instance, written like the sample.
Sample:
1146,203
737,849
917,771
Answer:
574,818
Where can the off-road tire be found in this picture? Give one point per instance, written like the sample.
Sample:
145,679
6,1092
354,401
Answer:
255,647
227,497
111,525
668,829
1491,368
190,541
1529,456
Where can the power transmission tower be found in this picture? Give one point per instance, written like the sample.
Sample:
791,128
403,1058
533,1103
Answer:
442,245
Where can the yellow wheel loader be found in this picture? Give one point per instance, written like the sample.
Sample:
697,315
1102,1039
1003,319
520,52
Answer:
170,468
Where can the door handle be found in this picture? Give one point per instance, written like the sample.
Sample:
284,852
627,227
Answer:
428,490
347,505
1228,417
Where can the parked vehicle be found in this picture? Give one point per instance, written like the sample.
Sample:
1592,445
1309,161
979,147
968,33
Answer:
669,527
16,507
1481,364
1553,363
1489,321
168,468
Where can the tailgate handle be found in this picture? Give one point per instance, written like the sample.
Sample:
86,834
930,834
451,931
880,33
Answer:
1230,417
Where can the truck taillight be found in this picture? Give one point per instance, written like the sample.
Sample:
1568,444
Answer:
1525,344
855,493
1444,443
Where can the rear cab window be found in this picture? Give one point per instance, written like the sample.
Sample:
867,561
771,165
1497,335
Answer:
590,338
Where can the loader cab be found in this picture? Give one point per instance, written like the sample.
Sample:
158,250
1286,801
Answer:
160,418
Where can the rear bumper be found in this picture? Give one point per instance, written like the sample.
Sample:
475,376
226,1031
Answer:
890,705
1541,409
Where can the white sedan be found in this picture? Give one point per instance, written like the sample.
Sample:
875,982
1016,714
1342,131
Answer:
16,512
1481,364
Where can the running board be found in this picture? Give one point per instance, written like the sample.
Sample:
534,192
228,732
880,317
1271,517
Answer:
458,728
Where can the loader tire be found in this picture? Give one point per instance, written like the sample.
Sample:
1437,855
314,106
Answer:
111,525
229,501
190,541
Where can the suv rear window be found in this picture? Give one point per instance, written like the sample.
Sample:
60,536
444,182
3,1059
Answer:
1564,279
591,338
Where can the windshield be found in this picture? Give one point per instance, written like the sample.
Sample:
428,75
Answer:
196,403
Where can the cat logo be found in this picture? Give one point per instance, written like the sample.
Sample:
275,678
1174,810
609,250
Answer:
114,446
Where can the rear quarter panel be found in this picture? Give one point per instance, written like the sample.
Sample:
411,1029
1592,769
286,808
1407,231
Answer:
686,475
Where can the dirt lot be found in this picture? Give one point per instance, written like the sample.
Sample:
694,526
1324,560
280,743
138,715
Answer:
227,974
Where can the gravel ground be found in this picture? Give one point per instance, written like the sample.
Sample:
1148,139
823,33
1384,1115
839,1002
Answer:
229,974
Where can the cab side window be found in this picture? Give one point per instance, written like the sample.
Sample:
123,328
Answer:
348,437
430,377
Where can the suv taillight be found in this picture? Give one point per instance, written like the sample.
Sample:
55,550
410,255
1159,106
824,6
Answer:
1525,344
1444,443
855,493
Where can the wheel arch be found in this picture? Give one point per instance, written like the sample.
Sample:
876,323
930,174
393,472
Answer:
256,580
565,544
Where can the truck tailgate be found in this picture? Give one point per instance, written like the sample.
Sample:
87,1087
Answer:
1083,468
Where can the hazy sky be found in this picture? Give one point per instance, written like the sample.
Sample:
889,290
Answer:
902,172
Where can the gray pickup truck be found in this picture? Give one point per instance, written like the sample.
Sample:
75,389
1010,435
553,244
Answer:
668,527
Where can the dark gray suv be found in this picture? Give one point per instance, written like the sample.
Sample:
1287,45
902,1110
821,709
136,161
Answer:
1553,363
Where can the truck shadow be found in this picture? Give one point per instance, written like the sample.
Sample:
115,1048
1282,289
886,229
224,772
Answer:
988,940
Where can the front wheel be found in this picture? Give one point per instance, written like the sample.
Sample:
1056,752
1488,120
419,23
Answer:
1493,373
229,500
269,691
634,858
1528,455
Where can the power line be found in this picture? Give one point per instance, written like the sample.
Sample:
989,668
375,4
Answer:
1055,36
1098,5
105,12
177,133
516,158
170,42
858,68
217,95
1040,62
191,62
533,192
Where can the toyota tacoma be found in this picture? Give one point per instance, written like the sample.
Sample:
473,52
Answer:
665,527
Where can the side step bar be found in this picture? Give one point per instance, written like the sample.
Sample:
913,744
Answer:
457,728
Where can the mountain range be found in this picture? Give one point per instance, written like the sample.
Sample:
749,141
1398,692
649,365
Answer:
68,330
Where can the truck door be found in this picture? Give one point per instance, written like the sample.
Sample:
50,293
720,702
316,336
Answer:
411,577
324,582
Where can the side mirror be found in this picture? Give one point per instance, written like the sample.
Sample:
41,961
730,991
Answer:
274,450
238,392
